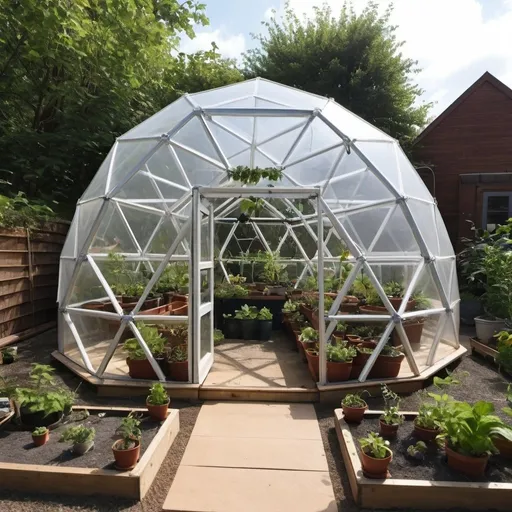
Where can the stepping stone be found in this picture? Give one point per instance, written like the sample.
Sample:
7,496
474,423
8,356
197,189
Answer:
207,489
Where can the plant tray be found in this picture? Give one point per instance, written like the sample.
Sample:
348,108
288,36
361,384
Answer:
483,349
75,480
393,493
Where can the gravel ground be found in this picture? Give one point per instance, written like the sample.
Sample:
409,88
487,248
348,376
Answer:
483,383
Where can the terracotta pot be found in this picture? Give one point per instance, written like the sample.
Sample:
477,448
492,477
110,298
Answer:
375,468
426,434
140,369
350,308
126,459
373,310
338,372
260,286
94,305
470,466
178,371
42,439
179,298
504,446
360,360
396,302
353,414
414,330
388,430
158,412
354,340
339,339
314,365
386,367
179,308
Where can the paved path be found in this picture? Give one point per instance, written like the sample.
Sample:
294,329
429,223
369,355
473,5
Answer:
251,457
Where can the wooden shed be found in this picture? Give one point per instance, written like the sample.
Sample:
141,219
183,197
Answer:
468,149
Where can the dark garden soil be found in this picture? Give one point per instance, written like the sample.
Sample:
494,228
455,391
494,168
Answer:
17,447
434,466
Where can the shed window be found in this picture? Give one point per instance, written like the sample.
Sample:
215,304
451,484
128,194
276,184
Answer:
497,209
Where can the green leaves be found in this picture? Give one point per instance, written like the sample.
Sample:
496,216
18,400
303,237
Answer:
374,446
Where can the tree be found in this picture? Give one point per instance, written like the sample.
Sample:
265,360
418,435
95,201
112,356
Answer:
74,74
354,59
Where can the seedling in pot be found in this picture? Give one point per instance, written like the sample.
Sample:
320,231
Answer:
40,436
417,451
81,436
354,407
127,449
157,402
375,455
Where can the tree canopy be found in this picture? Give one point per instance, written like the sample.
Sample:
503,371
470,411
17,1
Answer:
353,58
76,74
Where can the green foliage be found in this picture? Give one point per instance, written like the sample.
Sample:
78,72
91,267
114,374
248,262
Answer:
251,205
354,400
173,279
238,279
394,289
179,331
508,410
422,302
246,312
78,434
362,286
129,431
497,264
157,394
123,279
19,212
309,334
227,290
390,351
417,450
178,354
341,326
340,354
39,431
218,336
504,357
353,58
274,272
290,306
74,75
392,416
469,429
374,446
265,314
253,176
154,341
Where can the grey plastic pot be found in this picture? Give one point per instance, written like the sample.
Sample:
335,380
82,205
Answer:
485,329
82,448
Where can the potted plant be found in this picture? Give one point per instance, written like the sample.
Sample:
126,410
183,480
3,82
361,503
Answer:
468,431
40,436
428,423
504,346
375,456
390,421
177,358
264,320
43,403
232,326
8,355
339,362
413,327
139,366
82,438
289,307
247,316
313,359
157,402
395,292
353,408
218,336
364,351
174,280
178,335
274,274
127,449
388,363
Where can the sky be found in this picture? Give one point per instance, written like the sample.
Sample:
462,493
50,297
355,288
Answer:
454,41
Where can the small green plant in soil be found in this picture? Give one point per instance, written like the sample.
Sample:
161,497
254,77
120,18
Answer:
246,312
78,434
265,314
375,446
394,289
340,354
227,290
130,432
178,354
157,394
392,416
290,306
39,431
417,451
309,334
354,400
504,357
218,336
154,341
390,351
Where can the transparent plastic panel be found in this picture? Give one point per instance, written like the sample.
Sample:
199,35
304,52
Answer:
142,223
348,164
413,185
290,96
198,171
243,126
164,237
69,248
66,268
445,244
205,239
227,94
194,136
97,187
308,243
113,233
313,170
382,156
278,147
87,215
270,126
351,125
130,157
448,275
139,189
163,164
427,293
273,234
317,137
229,143
88,292
424,216
162,122
206,333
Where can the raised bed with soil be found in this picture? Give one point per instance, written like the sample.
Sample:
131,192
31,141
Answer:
427,484
54,468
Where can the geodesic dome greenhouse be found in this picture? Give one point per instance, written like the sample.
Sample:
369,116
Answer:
164,201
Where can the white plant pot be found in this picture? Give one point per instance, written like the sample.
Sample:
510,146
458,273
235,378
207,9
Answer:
82,448
485,329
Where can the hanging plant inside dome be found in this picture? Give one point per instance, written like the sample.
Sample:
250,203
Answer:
249,176
249,206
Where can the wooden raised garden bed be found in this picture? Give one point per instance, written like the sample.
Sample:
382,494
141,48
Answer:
483,349
416,494
59,472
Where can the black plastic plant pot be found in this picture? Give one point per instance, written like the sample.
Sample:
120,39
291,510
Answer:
232,328
265,329
249,329
38,419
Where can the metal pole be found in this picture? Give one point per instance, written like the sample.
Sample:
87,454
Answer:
321,297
